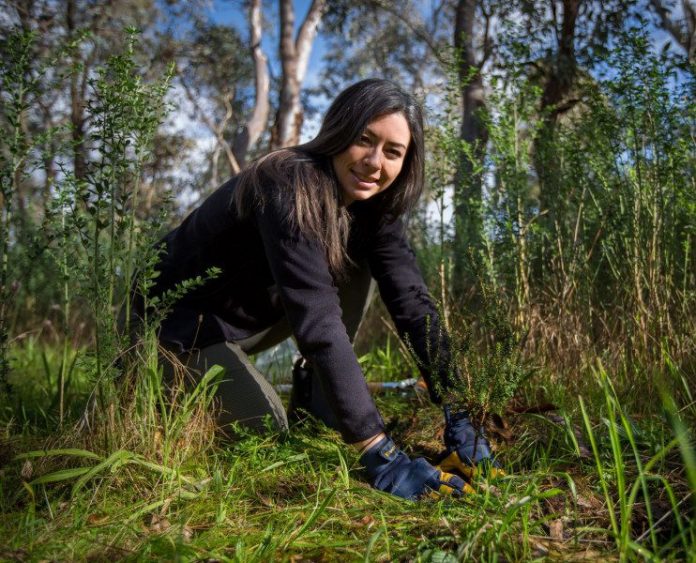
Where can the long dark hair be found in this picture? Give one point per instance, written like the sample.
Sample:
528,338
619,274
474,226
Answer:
306,171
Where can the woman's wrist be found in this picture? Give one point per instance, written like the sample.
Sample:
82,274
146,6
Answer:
363,445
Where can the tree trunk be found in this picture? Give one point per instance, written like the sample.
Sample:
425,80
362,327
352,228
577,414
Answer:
256,124
294,57
468,235
77,120
560,78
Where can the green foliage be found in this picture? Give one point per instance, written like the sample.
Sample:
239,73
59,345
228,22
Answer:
488,360
387,362
606,261
91,234
620,208
36,372
300,494
17,85
126,113
612,456
595,258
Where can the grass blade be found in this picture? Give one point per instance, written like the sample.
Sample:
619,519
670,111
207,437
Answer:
74,452
61,475
117,457
318,511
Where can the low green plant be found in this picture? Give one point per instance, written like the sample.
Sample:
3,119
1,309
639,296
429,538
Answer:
624,474
388,362
269,496
487,364
21,79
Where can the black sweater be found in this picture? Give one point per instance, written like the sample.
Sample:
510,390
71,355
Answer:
270,269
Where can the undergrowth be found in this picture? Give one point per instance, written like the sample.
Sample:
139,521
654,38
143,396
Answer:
585,482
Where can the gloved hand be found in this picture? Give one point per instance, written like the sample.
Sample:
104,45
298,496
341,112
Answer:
391,470
467,451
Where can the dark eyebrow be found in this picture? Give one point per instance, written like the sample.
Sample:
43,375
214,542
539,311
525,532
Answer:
391,143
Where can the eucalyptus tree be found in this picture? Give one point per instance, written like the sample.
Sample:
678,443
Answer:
556,45
225,74
215,73
294,50
399,41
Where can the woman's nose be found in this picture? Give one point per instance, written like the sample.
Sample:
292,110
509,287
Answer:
372,159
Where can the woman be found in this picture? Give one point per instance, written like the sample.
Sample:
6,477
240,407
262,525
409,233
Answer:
298,238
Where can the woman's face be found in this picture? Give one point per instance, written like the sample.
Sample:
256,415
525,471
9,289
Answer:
375,159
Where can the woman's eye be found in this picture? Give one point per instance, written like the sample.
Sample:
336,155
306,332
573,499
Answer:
394,154
364,140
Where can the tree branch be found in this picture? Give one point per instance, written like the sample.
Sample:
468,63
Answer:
216,130
259,117
417,28
306,35
685,34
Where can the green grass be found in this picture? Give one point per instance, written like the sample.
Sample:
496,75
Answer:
589,483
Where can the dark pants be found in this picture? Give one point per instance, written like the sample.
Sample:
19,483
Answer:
245,395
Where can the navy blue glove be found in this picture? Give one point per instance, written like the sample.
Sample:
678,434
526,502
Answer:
391,470
467,451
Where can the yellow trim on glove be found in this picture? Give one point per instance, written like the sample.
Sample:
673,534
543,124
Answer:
453,464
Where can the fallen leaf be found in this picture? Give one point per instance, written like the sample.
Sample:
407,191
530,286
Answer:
367,520
27,470
556,530
97,519
187,534
540,550
159,524
487,488
589,554
590,503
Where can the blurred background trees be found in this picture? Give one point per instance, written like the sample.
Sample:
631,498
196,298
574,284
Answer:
560,138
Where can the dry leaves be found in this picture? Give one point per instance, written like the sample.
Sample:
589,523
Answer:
27,470
158,524
556,530
97,519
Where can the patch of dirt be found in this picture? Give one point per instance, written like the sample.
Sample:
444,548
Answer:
14,555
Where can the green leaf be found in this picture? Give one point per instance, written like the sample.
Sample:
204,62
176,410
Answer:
62,475
75,452
119,456
291,459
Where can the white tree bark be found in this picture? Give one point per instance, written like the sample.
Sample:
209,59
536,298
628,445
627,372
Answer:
258,120
294,56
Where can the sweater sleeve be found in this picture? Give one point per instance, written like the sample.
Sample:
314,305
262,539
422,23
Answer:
410,305
310,300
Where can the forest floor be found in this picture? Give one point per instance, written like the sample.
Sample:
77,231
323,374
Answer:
578,487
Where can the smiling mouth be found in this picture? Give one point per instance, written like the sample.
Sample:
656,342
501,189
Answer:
362,180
